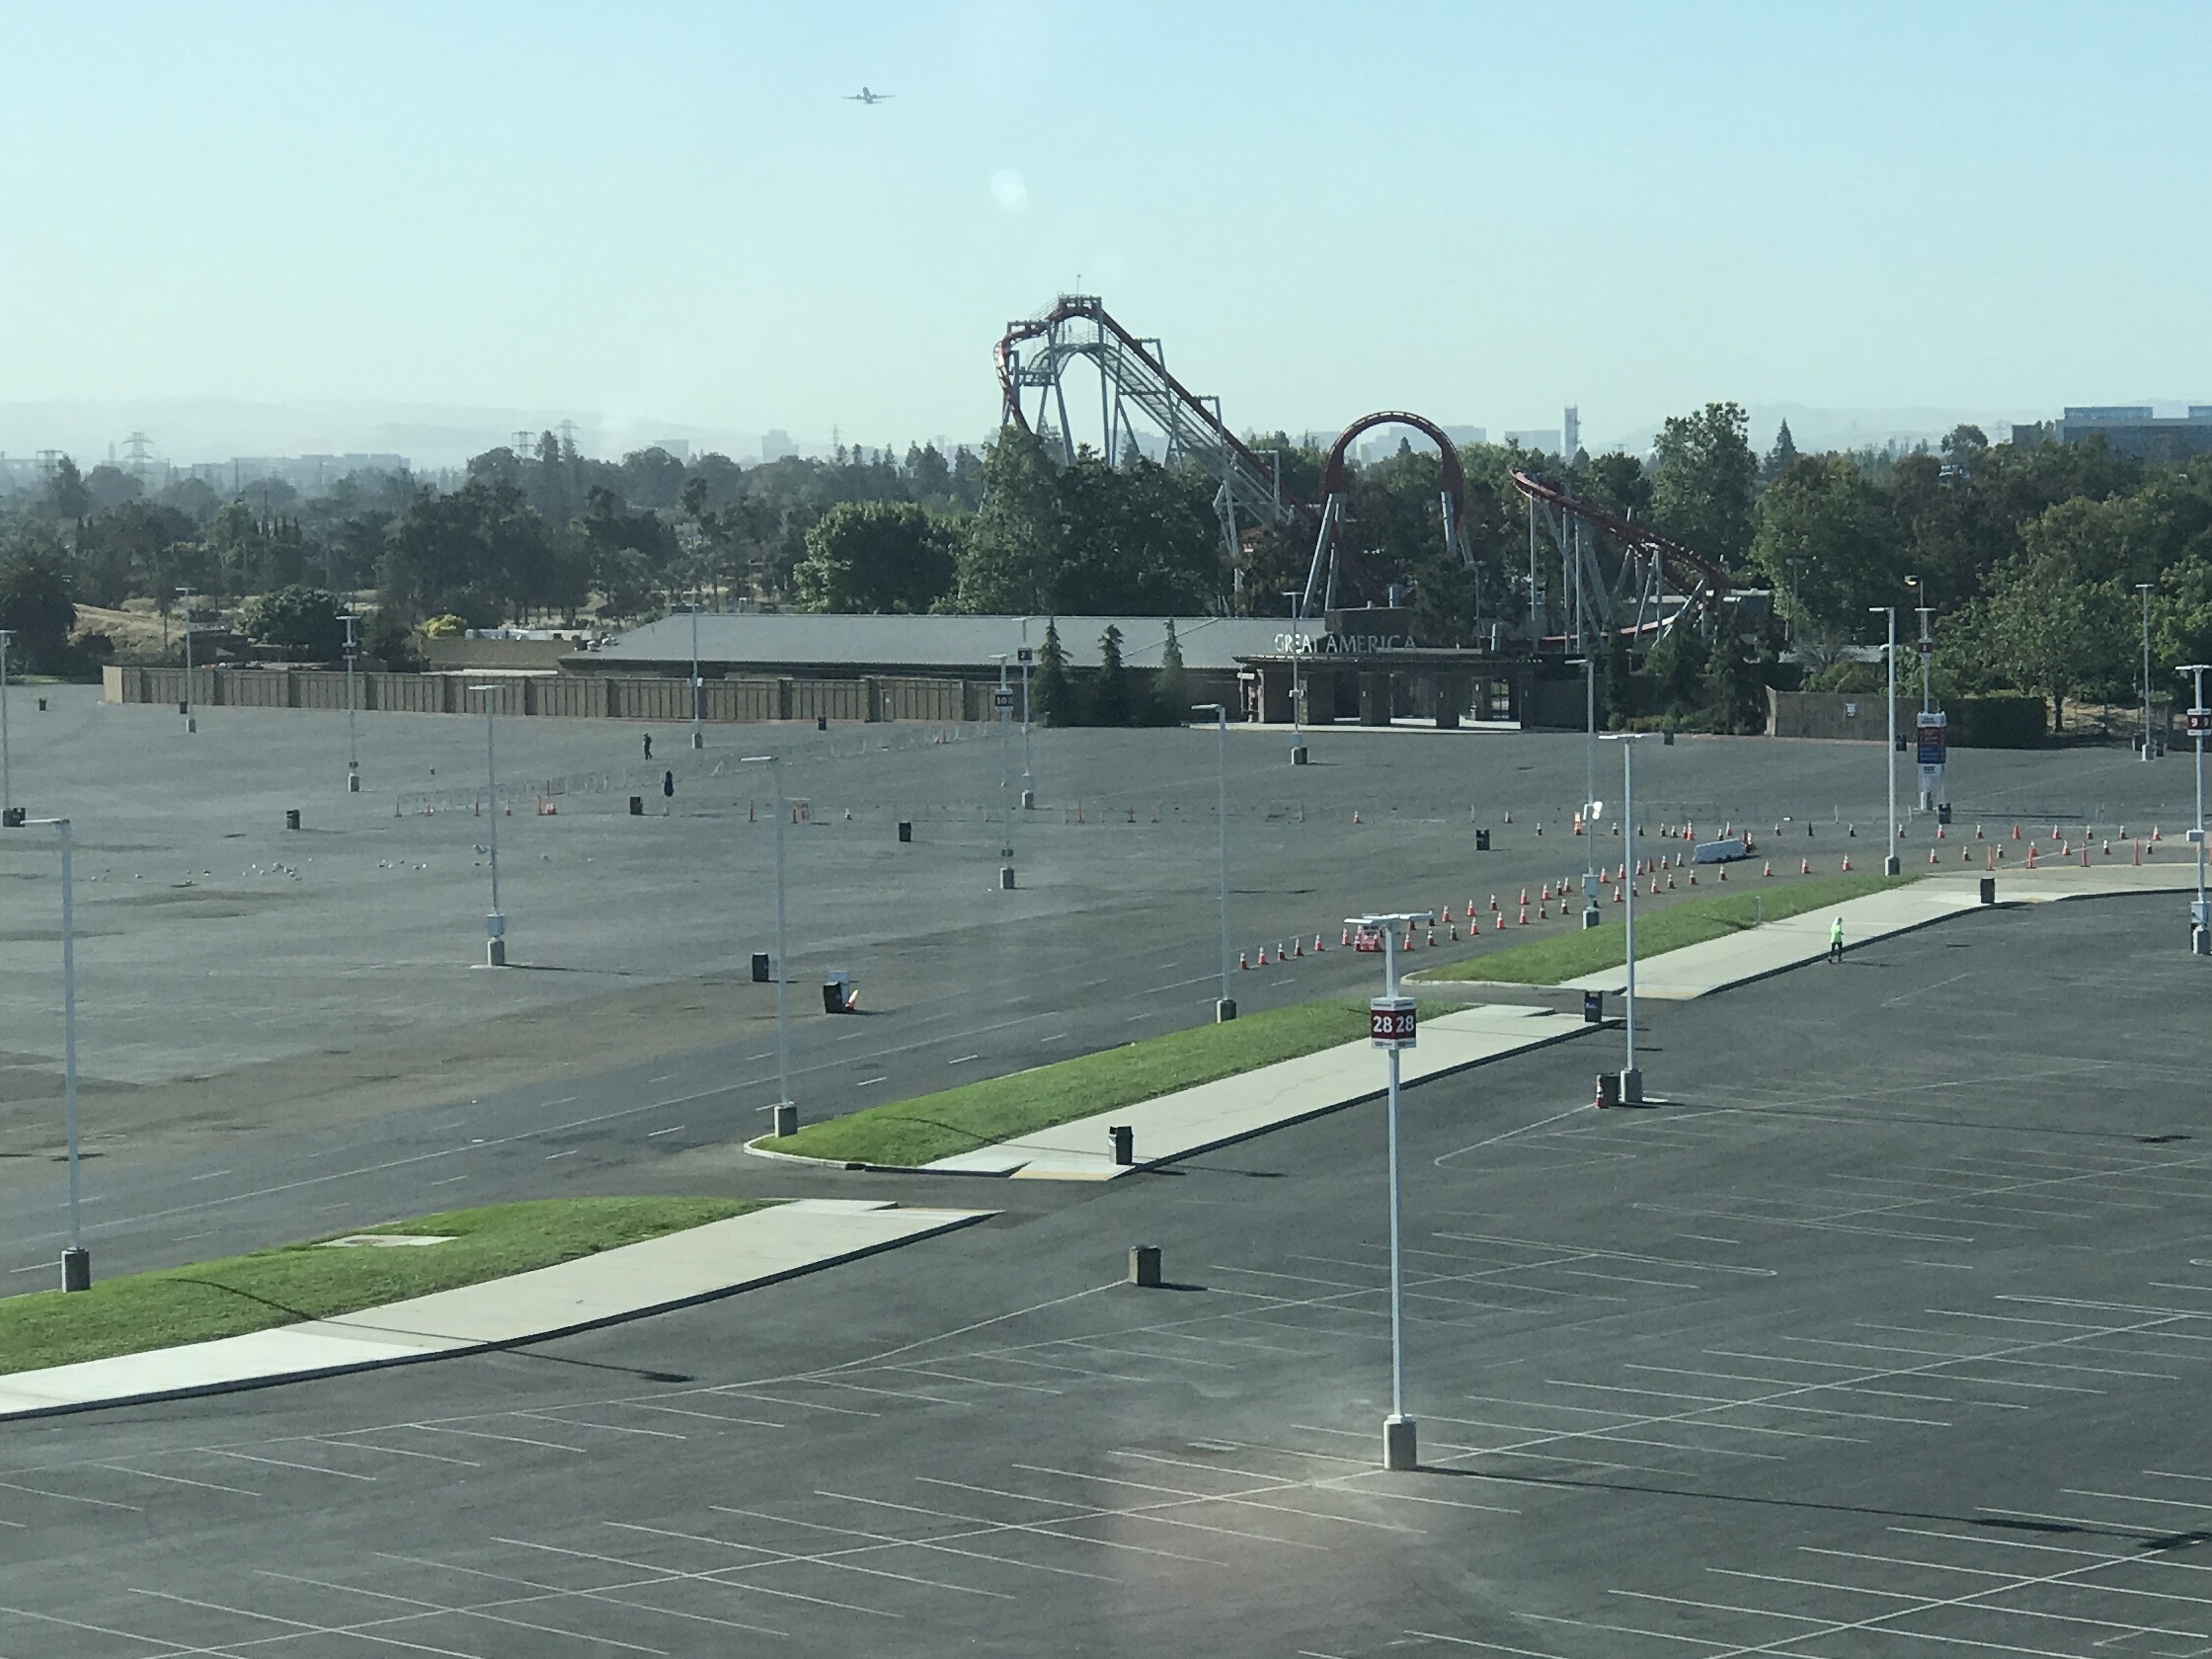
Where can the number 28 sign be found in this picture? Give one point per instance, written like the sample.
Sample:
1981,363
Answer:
1389,1022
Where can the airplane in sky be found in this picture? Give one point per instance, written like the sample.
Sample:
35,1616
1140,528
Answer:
864,96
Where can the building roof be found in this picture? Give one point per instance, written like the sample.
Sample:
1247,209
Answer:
927,642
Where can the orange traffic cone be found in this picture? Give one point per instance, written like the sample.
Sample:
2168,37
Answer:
1524,915
1769,869
1347,938
1240,962
1432,935
1847,863
1263,955
1298,947
1316,944
2032,855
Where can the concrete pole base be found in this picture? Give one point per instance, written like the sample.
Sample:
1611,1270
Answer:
495,953
1632,1086
787,1119
191,723
2201,941
1891,866
1225,1009
1144,1266
1006,877
1590,917
77,1270
353,783
1399,1448
1029,800
1297,755
698,740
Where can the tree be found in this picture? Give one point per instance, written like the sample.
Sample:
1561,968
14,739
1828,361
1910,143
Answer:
108,486
302,622
391,641
1781,455
1828,543
35,606
1707,478
877,557
1171,690
1053,691
65,495
1111,702
1016,543
2044,630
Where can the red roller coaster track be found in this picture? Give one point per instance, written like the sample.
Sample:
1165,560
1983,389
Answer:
1679,561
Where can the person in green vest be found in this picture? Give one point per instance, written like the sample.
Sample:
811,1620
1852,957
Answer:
1836,941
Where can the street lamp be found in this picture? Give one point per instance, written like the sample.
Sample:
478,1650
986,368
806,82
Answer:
352,746
786,1109
192,720
495,925
1391,1027
7,784
76,1260
2143,588
697,734
1027,783
1003,703
1297,690
1928,801
1890,865
1590,917
1225,1009
1632,1079
2201,721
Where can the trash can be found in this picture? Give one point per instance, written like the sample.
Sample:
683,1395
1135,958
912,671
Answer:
759,966
1666,740
905,829
840,994
1609,1089
1144,1266
1942,812
637,805
1989,890
291,818
1482,840
1125,1144
12,819
1593,1008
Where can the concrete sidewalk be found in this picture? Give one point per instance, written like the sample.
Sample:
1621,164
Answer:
698,1264
1195,1120
1776,946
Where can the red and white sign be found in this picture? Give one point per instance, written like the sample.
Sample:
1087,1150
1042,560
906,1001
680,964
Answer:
1389,1022
2201,721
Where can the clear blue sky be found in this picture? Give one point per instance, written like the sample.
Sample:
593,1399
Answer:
1477,211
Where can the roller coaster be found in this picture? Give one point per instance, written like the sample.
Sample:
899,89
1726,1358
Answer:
1615,576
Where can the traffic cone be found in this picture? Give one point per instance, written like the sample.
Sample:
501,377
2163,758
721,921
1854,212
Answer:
1524,898
2032,855
1992,858
1545,895
1347,938
1453,931
1316,944
1847,863
1263,955
1655,886
2085,858
1543,913
1939,832
1723,874
1617,896
2016,831
1540,829
1524,915
1298,947
1281,955
1804,866
1769,869
2155,835
1977,832
1470,909
1432,935
1966,855
1240,962
2107,847
1493,904
1932,855
1354,817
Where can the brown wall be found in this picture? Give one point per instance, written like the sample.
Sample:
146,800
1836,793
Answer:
1820,714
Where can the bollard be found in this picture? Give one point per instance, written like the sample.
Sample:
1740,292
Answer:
1225,1009
905,829
77,1270
759,966
1609,1089
1125,1144
637,805
1144,1266
291,818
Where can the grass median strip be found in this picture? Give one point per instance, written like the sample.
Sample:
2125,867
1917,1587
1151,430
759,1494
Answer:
269,1288
910,1133
1569,956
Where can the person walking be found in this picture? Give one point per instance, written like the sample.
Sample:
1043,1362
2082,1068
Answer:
1836,941
649,745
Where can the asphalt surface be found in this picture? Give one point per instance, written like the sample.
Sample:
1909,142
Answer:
282,1034
1883,1332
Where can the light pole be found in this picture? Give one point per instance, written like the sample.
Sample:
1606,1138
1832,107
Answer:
786,1109
192,720
1003,703
1590,915
1225,1009
352,744
7,784
1889,853
1391,1027
2143,588
1928,801
1297,690
1632,1079
2201,721
76,1260
698,737
1027,783
495,925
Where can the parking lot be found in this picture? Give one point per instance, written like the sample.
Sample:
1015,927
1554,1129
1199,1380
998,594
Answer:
1882,1330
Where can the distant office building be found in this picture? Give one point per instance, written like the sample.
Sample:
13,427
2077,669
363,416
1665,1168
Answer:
1547,442
1570,433
2136,428
1468,434
776,446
